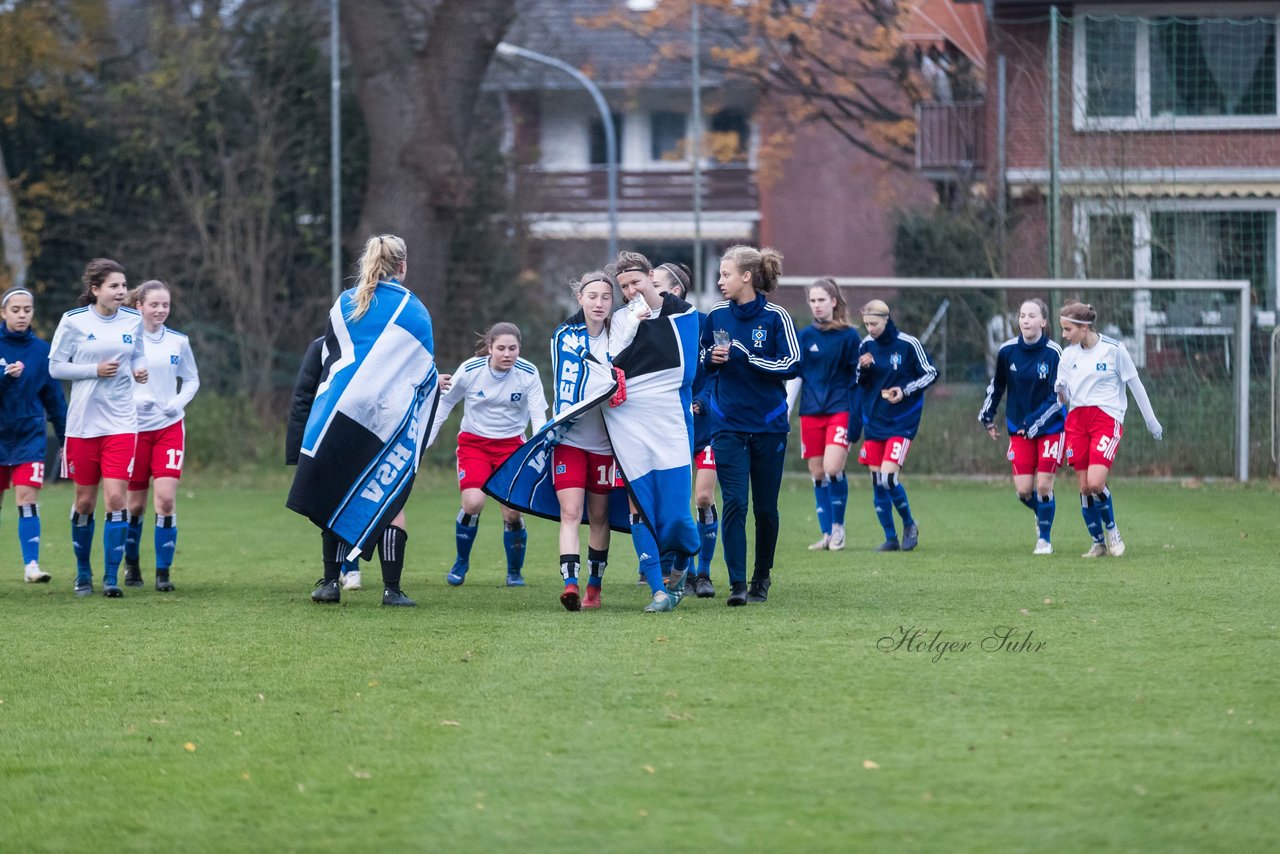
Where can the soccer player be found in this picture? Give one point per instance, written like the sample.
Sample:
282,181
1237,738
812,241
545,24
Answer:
28,397
172,383
582,463
751,351
99,347
1091,380
502,394
893,371
827,394
1028,367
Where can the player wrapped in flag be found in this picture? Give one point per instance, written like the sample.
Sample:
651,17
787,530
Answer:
372,409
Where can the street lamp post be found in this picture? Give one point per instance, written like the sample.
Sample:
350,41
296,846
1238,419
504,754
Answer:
610,136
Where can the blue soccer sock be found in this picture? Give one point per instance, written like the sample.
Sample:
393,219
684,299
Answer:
114,530
668,563
29,532
1105,509
133,539
898,494
166,540
569,567
1092,519
597,561
839,497
514,541
708,533
1029,501
464,531
1045,508
82,527
884,507
822,499
647,551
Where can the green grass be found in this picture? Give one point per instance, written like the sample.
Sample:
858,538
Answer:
490,719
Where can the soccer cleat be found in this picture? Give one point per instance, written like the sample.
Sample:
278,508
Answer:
163,584
1043,547
822,544
910,537
836,543
351,581
110,590
676,583
84,587
327,592
662,601
515,579
132,574
703,588
396,599
1096,550
1115,545
570,598
737,594
33,574
889,546
758,590
457,574
592,599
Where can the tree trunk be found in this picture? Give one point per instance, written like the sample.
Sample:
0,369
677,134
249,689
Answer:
418,67
15,254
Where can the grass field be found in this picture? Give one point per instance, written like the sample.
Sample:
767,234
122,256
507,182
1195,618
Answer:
236,715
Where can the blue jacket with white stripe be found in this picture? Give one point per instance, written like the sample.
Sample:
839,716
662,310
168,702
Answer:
899,361
750,388
26,402
1027,371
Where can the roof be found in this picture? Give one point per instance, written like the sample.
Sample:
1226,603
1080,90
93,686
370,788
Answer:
964,25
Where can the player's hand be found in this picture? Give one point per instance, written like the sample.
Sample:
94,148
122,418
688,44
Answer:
720,355
172,412
108,368
446,382
1060,386
1156,430
696,407
866,359
13,369
993,432
140,375
894,395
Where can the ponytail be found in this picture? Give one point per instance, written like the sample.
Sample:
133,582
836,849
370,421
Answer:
764,265
380,260
95,273
840,312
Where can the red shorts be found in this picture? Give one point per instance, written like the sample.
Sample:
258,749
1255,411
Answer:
1093,437
1040,455
88,461
574,468
818,431
873,453
705,460
23,474
159,454
478,457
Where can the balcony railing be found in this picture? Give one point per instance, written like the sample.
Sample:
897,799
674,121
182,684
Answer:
724,188
951,138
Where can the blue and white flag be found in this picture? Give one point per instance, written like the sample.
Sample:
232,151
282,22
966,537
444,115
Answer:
372,409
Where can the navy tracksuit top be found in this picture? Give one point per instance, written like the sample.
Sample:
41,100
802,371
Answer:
900,361
750,393
1027,372
25,402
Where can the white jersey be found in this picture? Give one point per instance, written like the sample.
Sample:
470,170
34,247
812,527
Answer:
497,405
159,400
100,406
1097,376
588,433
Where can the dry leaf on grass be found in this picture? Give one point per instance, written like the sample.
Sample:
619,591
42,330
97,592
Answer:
190,747
450,723
870,765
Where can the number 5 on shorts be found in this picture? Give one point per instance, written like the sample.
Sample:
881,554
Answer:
1103,444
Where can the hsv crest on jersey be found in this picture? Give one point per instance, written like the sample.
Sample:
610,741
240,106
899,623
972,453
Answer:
1101,366
128,339
173,360
895,360
515,396
758,336
1043,370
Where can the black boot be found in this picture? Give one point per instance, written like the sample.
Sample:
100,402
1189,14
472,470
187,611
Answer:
327,591
163,584
737,594
132,574
759,590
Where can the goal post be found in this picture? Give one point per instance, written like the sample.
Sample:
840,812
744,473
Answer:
1191,315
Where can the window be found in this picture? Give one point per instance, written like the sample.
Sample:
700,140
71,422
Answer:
599,153
730,134
1110,247
666,136
1189,72
1216,245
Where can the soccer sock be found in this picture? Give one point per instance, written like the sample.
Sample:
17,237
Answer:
1029,501
514,541
597,560
133,539
898,493
166,541
1092,519
114,529
1105,510
822,498
391,554
29,532
708,533
668,563
884,506
647,550
569,565
1045,508
839,497
464,530
330,553
82,525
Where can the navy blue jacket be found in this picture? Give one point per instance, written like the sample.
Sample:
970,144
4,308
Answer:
1028,372
750,388
703,388
828,364
900,361
25,402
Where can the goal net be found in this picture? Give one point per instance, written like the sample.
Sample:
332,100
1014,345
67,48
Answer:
1191,339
